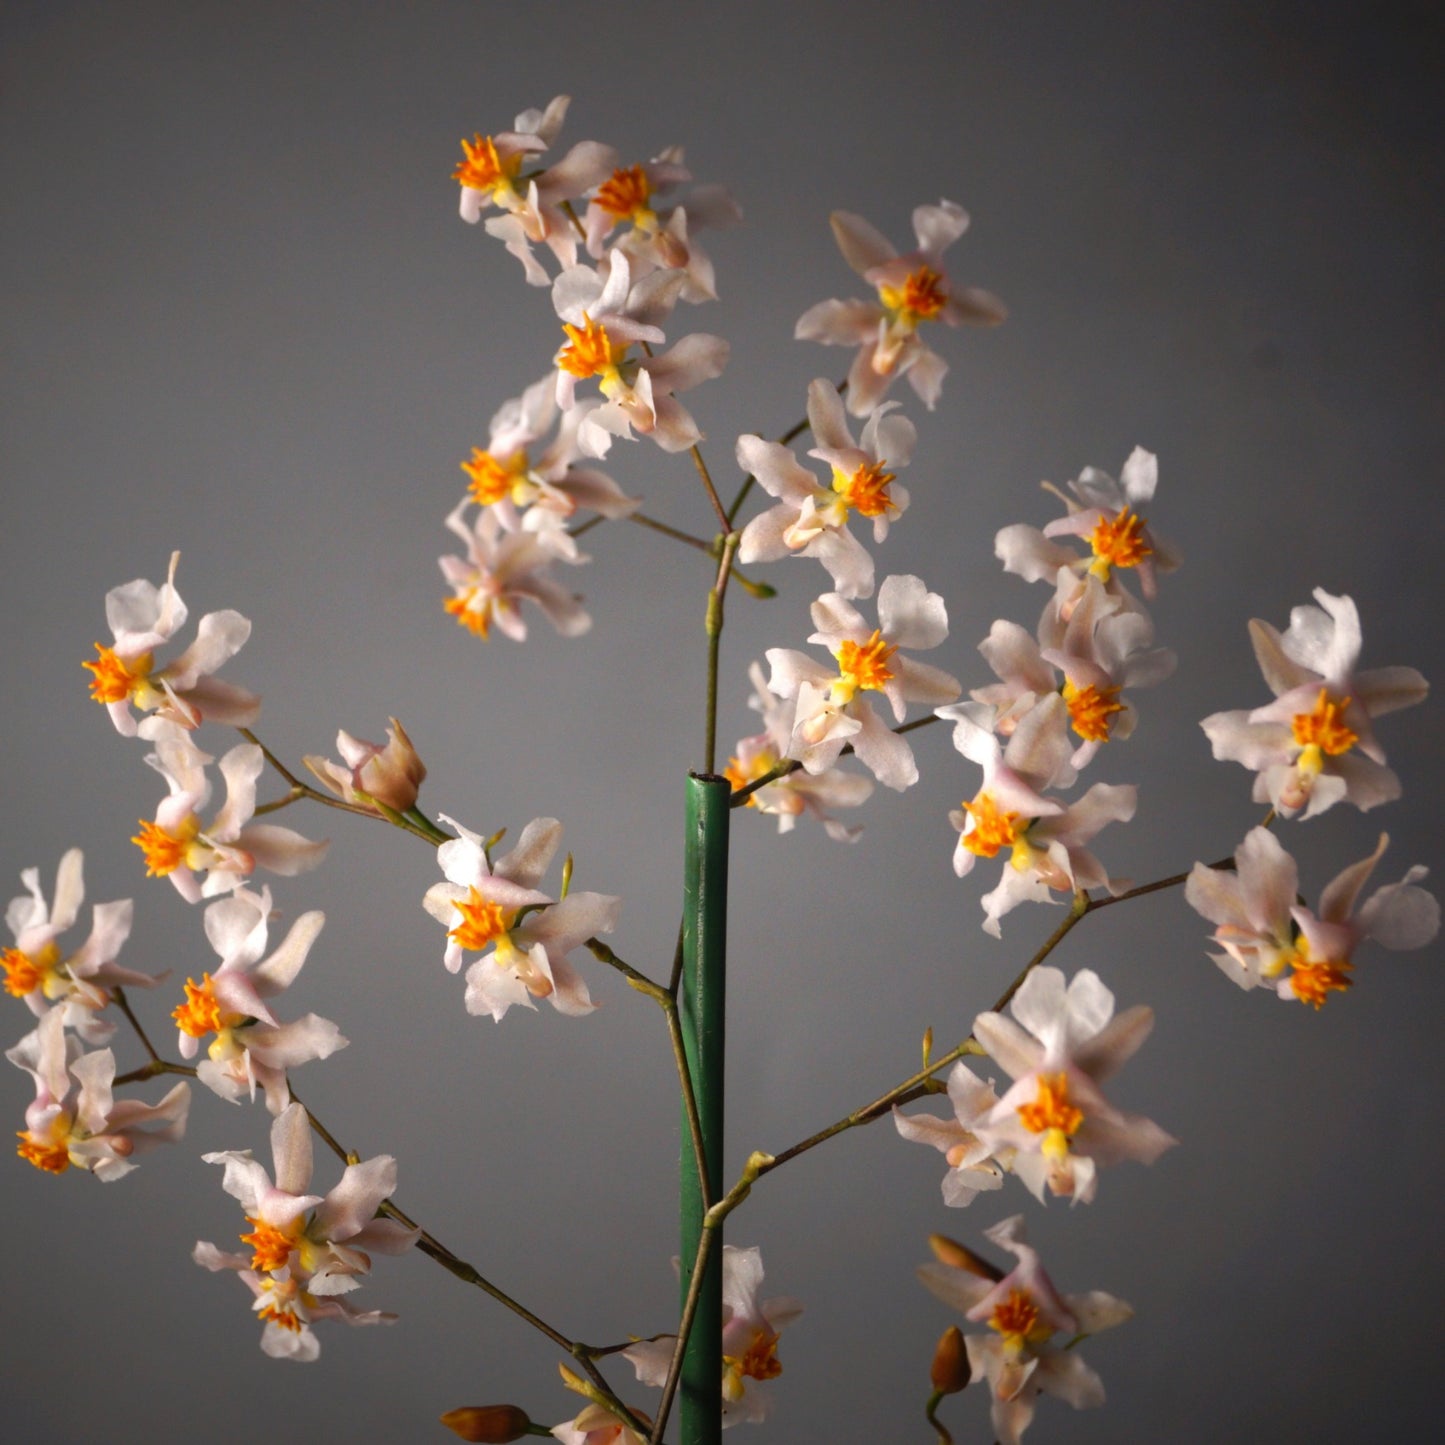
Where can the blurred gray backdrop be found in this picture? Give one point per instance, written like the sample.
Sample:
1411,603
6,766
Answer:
242,319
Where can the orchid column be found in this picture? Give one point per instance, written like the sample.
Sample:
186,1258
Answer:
701,1006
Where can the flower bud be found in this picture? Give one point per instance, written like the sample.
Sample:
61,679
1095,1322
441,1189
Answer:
372,774
489,1424
950,1370
950,1251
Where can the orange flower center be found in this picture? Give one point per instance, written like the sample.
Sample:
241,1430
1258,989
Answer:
1118,542
51,1156
1312,982
283,1316
482,170
114,679
764,761
760,1360
625,193
992,828
1090,710
1016,1318
22,973
493,480
482,921
270,1247
1051,1114
474,615
200,1014
1324,728
164,852
866,491
865,666
923,294
589,350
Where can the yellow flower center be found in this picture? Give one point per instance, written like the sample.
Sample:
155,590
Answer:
270,1247
1016,1318
862,667
25,973
589,350
201,1013
165,852
760,1360
764,761
1323,729
992,829
472,610
923,294
625,194
282,1315
482,921
1090,710
1312,982
1118,542
492,480
114,679
482,170
866,490
1051,1115
53,1154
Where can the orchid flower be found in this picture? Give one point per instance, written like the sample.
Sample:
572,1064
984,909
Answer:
177,844
142,617
251,1048
1314,745
94,1131
912,289
1065,1043
812,520
1021,1359
1272,941
833,710
525,936
389,776
78,984
972,1167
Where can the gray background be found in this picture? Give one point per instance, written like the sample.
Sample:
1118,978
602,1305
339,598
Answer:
242,319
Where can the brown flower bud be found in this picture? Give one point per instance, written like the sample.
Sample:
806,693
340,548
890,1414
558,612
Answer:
950,1251
488,1424
950,1371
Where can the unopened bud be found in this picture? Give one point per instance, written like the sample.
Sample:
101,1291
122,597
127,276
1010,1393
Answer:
950,1371
488,1424
950,1251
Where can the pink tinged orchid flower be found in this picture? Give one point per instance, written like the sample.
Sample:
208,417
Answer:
306,1249
501,571
373,774
603,318
1090,658
142,617
1033,1328
972,1168
94,1130
540,491
491,175
1045,840
833,709
524,935
660,237
811,520
179,845
252,1048
597,1425
1314,745
791,796
912,289
1272,941
78,984
751,1328
1065,1043
1109,516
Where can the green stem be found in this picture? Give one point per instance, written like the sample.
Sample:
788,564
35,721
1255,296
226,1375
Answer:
703,998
